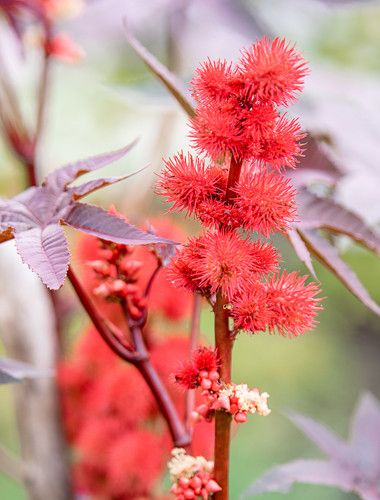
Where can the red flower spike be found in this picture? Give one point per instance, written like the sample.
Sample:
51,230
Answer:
273,71
218,131
266,202
215,81
186,182
258,120
281,148
221,260
249,309
216,213
292,303
181,268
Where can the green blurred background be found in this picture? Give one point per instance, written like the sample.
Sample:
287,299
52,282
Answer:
110,98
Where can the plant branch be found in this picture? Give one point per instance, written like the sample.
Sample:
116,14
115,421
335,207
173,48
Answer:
100,323
160,393
180,436
152,278
10,465
42,95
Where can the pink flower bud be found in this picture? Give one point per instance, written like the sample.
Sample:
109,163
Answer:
196,483
103,290
203,374
213,487
130,266
175,489
119,287
189,493
240,417
206,384
204,493
213,375
184,482
100,267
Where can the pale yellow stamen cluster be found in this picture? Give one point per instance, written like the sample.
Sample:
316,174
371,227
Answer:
249,400
183,465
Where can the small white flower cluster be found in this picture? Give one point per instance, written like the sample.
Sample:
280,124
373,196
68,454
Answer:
183,465
248,400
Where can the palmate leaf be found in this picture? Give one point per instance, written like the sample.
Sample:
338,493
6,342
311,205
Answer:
97,222
34,217
325,213
46,252
329,257
62,177
317,213
365,436
14,216
315,165
350,466
301,249
89,187
283,477
12,371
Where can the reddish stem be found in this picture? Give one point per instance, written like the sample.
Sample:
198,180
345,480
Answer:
177,430
100,323
224,343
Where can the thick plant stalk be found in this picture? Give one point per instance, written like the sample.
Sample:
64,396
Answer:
223,344
28,332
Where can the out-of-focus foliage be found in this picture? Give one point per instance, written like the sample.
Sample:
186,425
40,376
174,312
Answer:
351,466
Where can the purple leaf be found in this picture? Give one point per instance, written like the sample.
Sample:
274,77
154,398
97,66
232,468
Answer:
315,165
328,442
45,206
78,192
89,187
14,217
282,477
45,251
352,466
59,179
365,436
316,212
12,371
329,257
170,81
97,222
301,250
